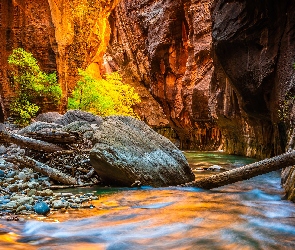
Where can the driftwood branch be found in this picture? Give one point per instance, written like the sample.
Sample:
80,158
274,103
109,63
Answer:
27,142
246,172
53,136
52,173
53,187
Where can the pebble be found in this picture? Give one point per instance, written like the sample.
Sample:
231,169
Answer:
2,173
3,149
42,208
46,192
21,208
74,205
30,192
23,176
11,174
59,204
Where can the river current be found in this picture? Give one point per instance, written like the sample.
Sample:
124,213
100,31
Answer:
246,215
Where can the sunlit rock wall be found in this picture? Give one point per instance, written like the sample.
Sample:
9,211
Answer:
25,24
82,35
63,35
166,47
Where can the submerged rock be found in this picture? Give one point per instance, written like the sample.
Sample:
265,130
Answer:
127,151
216,168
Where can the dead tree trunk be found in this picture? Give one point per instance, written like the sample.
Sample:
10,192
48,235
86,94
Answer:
27,142
246,172
43,169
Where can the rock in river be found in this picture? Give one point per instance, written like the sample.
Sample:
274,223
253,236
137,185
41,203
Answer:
41,208
127,151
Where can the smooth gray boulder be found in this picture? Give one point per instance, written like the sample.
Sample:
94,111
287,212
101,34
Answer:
126,152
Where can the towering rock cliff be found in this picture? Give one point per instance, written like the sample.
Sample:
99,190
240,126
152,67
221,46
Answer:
166,47
26,24
63,35
253,45
253,82
82,35
240,84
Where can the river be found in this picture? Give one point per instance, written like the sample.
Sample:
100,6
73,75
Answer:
246,215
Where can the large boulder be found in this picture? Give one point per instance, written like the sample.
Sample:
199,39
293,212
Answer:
127,151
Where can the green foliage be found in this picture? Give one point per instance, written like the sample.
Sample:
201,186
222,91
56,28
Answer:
109,96
24,110
32,86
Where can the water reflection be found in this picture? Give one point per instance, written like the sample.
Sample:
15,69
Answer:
245,215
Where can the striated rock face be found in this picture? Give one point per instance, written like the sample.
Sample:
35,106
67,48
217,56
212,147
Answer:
254,49
166,47
127,151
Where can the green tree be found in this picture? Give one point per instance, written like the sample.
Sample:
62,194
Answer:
109,96
32,86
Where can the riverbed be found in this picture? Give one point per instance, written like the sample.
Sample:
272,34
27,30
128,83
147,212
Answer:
246,215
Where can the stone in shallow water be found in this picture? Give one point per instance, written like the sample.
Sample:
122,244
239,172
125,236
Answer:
3,149
59,204
215,168
41,208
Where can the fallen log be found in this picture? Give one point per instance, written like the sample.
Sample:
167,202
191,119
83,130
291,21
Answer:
245,172
42,168
54,187
53,136
27,142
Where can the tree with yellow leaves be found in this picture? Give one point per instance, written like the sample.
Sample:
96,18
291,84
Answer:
104,97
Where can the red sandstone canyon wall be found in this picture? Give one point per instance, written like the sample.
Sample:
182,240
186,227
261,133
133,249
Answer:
166,47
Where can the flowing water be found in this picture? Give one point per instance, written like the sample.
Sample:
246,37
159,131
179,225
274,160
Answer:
247,215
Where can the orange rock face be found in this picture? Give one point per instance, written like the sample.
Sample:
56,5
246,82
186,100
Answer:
166,46
82,35
63,35
25,24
